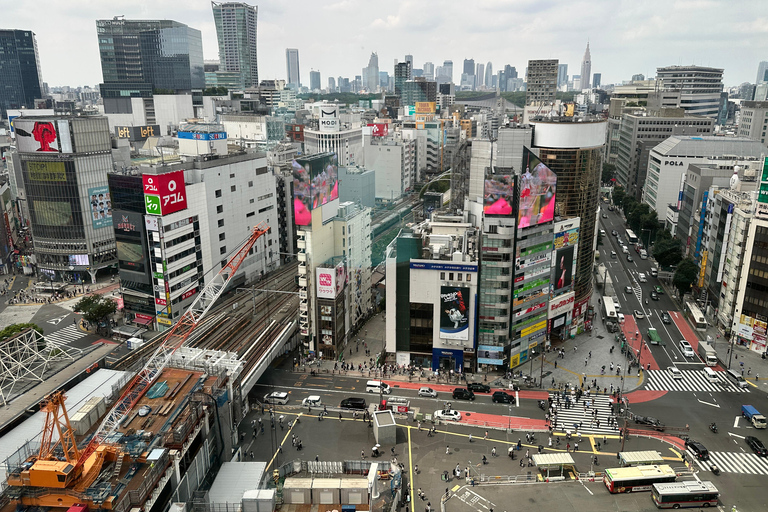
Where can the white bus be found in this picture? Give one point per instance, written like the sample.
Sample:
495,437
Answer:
631,237
693,313
684,494
609,310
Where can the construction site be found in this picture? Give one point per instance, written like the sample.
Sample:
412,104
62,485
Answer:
147,432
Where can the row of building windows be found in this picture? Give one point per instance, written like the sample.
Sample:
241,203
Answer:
458,276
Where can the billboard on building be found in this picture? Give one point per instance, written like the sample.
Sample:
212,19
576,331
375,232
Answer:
537,192
315,183
454,313
329,118
379,129
137,133
499,194
164,193
52,213
101,207
42,136
490,354
425,107
80,260
130,256
326,283
563,268
47,171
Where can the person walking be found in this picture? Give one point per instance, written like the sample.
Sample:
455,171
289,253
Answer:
493,451
447,450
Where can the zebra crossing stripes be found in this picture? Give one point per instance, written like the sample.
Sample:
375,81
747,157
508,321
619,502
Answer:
567,418
66,335
735,462
693,380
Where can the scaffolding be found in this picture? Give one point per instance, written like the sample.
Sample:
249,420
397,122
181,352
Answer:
27,359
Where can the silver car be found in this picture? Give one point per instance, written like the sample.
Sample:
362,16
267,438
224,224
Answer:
427,392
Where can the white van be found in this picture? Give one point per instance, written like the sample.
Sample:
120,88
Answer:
376,386
620,317
624,249
736,378
711,375
643,254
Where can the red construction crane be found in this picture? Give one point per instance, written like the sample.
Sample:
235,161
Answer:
173,340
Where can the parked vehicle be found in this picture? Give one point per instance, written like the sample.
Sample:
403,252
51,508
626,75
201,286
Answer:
479,387
750,413
463,394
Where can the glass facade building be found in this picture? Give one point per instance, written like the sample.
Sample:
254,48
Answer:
20,77
139,57
236,34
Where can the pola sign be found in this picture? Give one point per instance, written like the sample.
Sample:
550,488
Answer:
164,193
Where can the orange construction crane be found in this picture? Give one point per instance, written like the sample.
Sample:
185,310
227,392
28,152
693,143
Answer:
57,420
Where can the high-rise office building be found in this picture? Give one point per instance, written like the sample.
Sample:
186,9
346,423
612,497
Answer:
402,74
448,69
541,81
331,84
292,72
141,56
586,68
597,78
314,80
562,74
699,87
469,66
489,74
371,77
479,74
429,71
762,72
236,33
20,79
409,59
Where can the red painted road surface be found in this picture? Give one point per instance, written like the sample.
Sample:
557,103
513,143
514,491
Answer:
448,388
643,395
630,327
685,329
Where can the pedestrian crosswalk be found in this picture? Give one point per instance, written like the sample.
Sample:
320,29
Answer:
66,335
692,380
577,418
734,462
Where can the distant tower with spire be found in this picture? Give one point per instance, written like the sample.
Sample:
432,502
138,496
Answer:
586,69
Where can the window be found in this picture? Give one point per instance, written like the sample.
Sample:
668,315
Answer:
232,175
251,201
220,209
469,277
218,193
223,263
233,188
450,276
223,249
222,236
221,223
458,276
442,276
250,214
250,183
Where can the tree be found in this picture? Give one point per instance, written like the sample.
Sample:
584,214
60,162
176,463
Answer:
619,195
95,308
14,329
215,91
685,275
609,172
667,250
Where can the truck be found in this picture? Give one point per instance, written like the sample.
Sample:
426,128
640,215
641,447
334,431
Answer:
654,338
707,353
750,413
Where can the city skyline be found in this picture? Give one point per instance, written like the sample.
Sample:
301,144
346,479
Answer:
628,42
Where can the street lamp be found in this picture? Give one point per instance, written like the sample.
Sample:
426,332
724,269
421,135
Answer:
531,356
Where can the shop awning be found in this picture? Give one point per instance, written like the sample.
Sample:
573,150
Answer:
143,321
552,460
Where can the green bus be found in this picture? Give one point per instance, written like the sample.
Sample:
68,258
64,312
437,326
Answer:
654,337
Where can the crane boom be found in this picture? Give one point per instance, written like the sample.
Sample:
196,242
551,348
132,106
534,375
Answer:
172,341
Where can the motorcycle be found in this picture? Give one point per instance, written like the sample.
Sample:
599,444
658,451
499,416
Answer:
542,405
713,427
714,469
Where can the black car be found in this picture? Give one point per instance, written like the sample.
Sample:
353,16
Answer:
654,296
757,446
699,450
353,403
666,318
463,394
614,232
629,258
479,387
501,397
650,421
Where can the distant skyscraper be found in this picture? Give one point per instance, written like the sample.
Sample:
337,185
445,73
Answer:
402,74
409,59
479,75
140,56
762,72
596,80
562,74
469,66
236,34
20,79
586,69
314,80
429,71
292,70
371,73
638,77
541,81
489,74
448,69
331,84
700,87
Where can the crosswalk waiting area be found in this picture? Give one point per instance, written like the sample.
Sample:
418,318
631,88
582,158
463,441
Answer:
591,423
734,462
692,380
66,335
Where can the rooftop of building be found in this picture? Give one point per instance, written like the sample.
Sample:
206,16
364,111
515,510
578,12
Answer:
567,119
691,67
710,146
754,104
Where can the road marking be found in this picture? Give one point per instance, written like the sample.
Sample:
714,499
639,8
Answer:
735,435
474,500
707,403
736,422
585,487
56,321
517,399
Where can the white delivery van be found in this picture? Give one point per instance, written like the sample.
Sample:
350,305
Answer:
376,386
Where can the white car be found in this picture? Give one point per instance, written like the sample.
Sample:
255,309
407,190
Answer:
624,249
620,316
428,392
675,371
686,349
639,315
641,277
447,415
276,397
312,401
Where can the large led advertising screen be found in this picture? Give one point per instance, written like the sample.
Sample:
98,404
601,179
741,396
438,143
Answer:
537,192
454,313
498,194
42,136
315,183
564,268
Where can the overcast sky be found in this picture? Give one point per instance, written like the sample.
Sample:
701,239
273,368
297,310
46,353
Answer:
337,37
